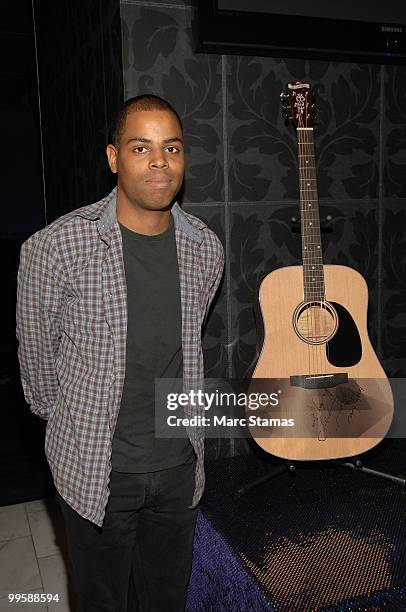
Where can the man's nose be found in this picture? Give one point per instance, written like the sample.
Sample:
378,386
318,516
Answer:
158,160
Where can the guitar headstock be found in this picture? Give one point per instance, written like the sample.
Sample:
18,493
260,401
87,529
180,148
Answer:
298,105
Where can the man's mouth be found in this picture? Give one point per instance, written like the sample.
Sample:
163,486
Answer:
159,182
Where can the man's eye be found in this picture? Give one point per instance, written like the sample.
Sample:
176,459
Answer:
139,149
173,149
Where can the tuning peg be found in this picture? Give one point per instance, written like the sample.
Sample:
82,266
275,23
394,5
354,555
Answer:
285,106
287,117
286,111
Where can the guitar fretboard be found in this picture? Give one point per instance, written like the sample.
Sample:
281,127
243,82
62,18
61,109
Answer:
313,272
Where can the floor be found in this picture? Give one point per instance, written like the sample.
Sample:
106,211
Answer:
324,537
33,556
320,525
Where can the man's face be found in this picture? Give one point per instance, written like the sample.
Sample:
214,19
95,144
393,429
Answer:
149,160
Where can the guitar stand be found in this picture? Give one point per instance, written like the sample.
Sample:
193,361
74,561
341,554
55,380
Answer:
354,463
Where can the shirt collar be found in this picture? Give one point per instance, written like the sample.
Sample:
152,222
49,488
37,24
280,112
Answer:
104,212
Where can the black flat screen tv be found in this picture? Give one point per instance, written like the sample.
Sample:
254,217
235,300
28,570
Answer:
349,30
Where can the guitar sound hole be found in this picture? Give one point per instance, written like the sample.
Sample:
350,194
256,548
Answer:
315,322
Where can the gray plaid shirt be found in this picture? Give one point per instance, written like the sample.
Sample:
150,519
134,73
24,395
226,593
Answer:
72,332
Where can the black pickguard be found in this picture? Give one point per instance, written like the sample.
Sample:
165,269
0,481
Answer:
345,348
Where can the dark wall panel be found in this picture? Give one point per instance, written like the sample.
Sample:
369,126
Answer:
394,287
20,157
394,144
393,221
80,77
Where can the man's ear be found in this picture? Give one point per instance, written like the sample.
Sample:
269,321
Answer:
111,153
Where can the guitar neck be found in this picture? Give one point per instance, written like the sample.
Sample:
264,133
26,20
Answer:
313,272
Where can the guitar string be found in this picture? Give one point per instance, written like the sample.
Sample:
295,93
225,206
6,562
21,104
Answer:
308,252
318,290
304,246
315,298
309,217
315,293
309,311
309,264
302,212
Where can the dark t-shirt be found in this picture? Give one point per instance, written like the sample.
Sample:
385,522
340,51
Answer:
154,350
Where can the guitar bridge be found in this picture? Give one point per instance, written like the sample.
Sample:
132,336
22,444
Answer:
318,381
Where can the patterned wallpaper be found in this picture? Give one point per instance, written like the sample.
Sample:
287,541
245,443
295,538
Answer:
242,177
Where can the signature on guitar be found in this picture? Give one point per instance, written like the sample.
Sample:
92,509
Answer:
332,406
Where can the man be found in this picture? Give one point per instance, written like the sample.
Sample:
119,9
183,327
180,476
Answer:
111,296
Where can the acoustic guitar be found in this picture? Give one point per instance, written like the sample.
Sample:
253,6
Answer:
316,355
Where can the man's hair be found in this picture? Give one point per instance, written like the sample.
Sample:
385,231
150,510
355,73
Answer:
144,102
